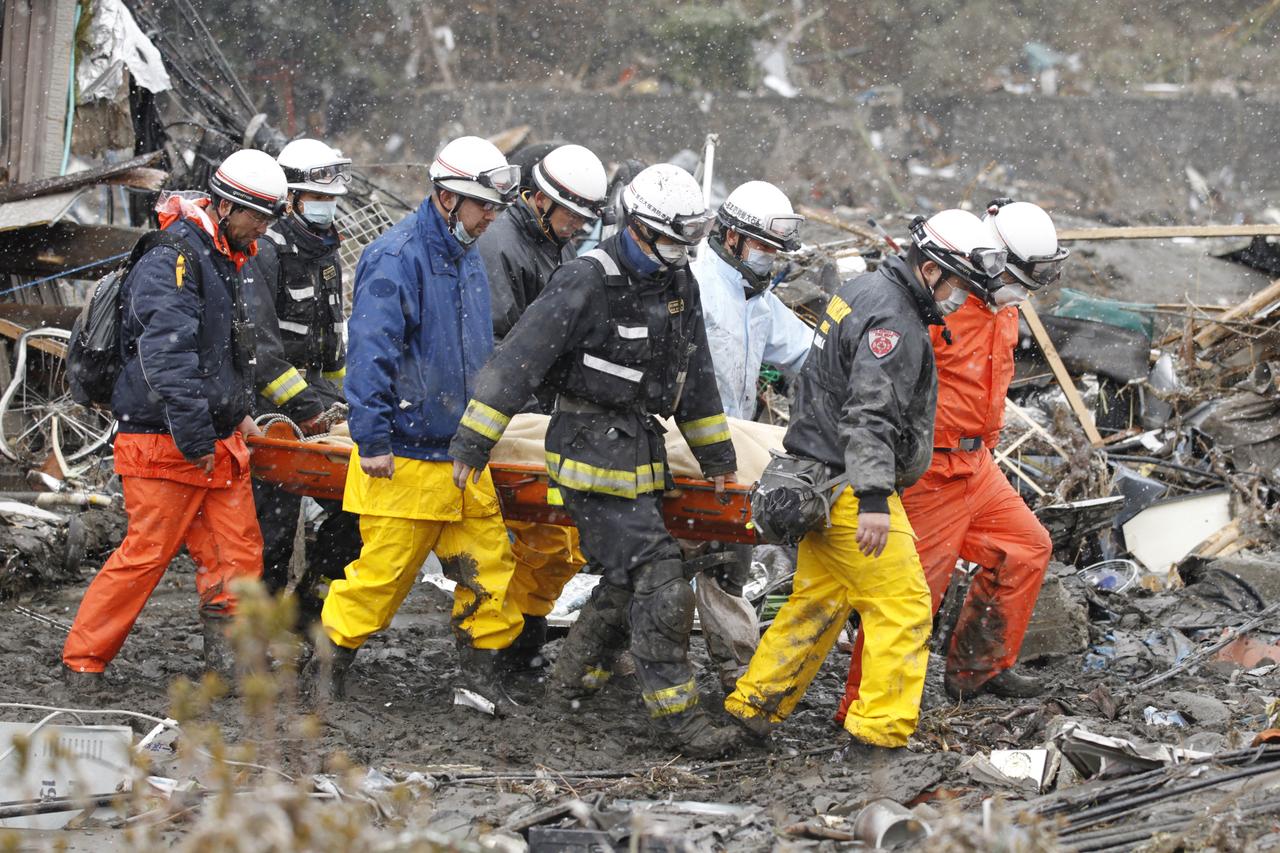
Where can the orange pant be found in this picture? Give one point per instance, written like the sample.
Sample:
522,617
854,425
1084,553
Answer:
964,507
216,522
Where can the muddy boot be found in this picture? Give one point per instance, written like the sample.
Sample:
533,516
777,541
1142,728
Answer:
85,686
1014,685
479,685
696,735
325,672
525,654
219,657
587,656
756,730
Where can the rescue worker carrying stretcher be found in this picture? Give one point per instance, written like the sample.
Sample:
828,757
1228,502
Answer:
182,403
302,355
523,247
618,333
420,330
864,408
964,507
747,325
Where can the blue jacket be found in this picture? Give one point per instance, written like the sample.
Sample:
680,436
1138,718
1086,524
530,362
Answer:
420,330
180,375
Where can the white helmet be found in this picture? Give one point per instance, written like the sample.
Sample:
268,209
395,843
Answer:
763,212
962,245
667,199
252,179
573,178
1027,233
313,167
475,168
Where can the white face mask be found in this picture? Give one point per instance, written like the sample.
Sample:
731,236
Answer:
320,213
759,262
953,303
673,253
1010,294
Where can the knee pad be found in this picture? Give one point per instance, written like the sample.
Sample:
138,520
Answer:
661,620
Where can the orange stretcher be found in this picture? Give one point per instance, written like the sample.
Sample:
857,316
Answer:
692,511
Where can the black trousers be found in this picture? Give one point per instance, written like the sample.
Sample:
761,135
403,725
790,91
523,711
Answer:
337,539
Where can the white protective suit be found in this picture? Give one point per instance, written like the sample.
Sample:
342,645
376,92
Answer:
745,333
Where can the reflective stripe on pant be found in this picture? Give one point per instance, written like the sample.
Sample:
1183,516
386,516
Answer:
220,530
467,535
547,556
833,577
967,509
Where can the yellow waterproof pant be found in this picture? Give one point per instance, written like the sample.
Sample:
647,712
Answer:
547,556
833,577
404,519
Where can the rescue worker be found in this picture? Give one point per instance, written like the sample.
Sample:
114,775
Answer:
618,333
747,325
521,250
864,406
420,330
302,356
182,403
964,507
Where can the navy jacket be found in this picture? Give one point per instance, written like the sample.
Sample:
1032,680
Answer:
180,373
420,330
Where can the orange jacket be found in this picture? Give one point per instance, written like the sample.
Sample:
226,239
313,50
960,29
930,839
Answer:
974,372
155,456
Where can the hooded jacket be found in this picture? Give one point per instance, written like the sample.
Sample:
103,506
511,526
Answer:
519,258
182,371
420,330
745,332
865,399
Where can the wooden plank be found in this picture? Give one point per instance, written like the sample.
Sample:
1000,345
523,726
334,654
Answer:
12,330
129,172
1060,373
1213,332
828,218
1165,232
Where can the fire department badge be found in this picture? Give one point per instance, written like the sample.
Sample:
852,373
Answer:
881,342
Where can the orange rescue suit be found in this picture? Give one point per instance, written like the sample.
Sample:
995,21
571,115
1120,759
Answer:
964,507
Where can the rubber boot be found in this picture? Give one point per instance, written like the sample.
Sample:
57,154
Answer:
696,735
1014,685
590,651
325,672
479,685
219,657
525,654
86,686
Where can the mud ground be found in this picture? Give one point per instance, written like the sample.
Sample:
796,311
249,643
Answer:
399,718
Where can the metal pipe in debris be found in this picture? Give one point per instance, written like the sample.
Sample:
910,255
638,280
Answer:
53,500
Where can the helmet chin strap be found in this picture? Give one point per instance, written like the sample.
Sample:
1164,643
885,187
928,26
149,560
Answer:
544,222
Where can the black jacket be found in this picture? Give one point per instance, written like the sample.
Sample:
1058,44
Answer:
299,317
619,349
519,258
183,372
865,399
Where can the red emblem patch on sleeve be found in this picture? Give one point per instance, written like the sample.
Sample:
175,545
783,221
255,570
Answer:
881,342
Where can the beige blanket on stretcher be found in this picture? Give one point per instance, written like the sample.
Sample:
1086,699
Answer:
521,444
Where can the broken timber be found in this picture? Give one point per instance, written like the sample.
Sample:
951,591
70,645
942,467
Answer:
1060,373
1165,232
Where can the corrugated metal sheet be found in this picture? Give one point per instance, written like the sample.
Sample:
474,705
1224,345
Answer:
35,72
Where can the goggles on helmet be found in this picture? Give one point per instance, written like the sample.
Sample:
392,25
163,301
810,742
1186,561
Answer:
689,229
319,174
983,264
1037,272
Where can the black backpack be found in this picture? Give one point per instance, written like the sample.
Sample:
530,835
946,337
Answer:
94,357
